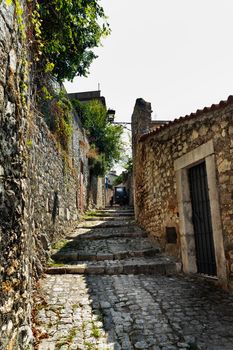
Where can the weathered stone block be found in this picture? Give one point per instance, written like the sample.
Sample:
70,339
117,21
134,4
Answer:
5,33
194,135
224,166
230,130
1,97
1,171
7,12
12,61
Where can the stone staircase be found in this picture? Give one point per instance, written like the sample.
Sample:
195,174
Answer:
111,243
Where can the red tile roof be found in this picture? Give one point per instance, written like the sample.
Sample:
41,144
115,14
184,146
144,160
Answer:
214,107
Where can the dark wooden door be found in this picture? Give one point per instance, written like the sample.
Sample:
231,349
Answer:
201,217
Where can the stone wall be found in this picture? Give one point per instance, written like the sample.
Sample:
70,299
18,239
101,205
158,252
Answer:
79,151
15,240
53,182
42,189
158,183
97,196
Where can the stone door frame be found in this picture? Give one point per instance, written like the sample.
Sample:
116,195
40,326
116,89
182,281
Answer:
202,153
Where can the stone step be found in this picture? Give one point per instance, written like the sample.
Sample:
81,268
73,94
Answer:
74,255
108,213
105,249
107,224
113,229
160,265
118,208
109,218
105,234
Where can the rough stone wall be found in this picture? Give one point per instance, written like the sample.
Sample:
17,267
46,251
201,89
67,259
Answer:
155,182
130,188
80,148
97,195
53,189
15,241
39,184
141,121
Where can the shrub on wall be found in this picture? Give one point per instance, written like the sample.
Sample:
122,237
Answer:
61,121
104,137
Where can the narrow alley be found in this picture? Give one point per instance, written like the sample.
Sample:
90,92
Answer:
105,290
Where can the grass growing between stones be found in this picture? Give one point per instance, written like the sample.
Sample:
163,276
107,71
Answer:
60,244
95,331
99,316
91,213
89,346
67,340
52,263
75,306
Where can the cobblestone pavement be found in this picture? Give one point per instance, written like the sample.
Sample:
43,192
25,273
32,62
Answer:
134,312
130,311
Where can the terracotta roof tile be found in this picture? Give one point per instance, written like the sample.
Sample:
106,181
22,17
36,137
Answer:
214,107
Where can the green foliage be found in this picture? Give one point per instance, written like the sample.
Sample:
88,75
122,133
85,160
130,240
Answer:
66,340
125,174
61,121
118,180
70,29
103,136
46,94
29,143
49,67
60,244
95,331
129,164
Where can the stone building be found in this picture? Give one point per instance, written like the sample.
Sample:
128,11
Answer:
183,186
92,188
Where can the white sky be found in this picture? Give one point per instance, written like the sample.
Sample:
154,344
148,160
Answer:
176,54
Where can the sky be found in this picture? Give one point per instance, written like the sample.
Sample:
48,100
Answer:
176,54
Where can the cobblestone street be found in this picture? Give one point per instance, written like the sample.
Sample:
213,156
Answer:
94,309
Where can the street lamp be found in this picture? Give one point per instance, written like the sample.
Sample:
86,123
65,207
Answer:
111,115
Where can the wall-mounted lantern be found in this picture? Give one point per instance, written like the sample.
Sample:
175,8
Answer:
111,115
